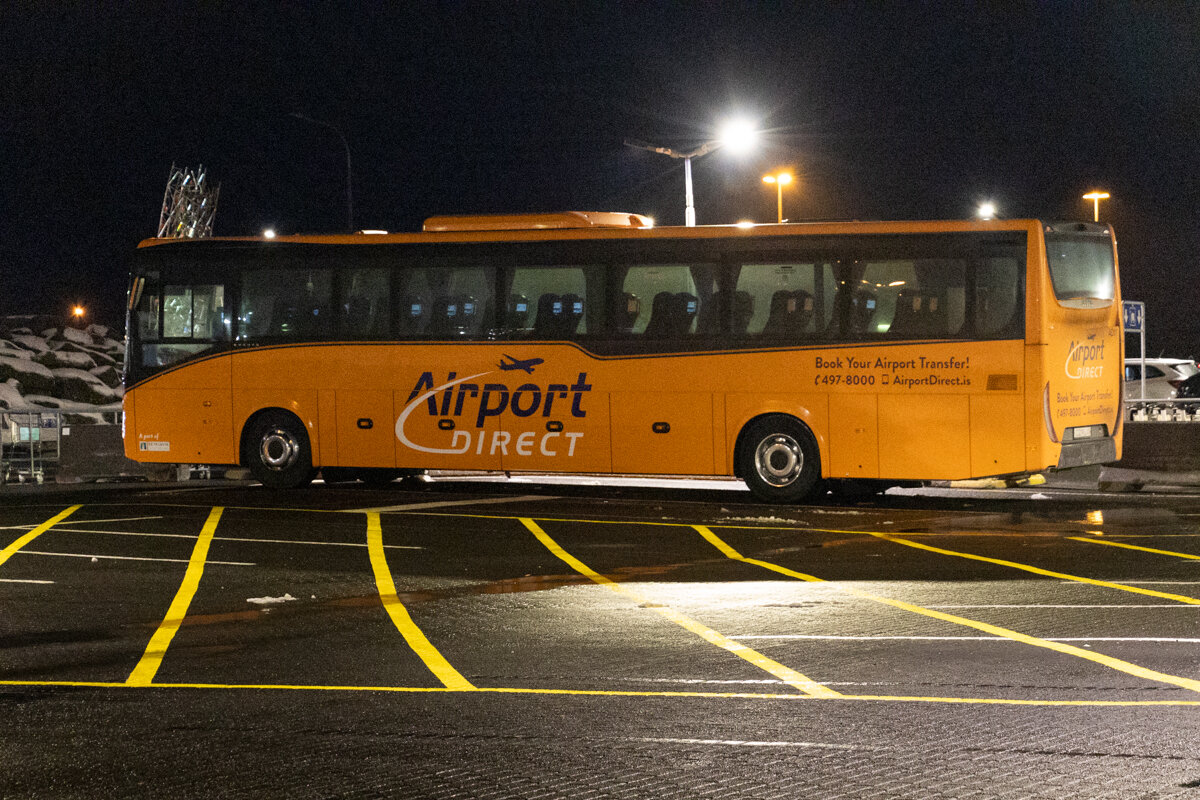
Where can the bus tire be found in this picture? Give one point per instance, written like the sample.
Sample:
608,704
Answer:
779,460
278,451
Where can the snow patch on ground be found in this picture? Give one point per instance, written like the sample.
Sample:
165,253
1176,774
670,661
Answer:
270,601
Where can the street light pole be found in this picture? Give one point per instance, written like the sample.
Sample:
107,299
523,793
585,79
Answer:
737,134
346,146
1096,197
780,180
689,208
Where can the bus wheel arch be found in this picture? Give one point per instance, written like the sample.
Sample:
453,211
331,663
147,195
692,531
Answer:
276,448
778,457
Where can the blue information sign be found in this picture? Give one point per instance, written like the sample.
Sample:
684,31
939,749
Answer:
1135,316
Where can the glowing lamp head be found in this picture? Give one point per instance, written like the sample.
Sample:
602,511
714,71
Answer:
739,136
269,233
78,312
987,210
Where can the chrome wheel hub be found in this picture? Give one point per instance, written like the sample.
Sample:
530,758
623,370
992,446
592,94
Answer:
278,449
779,459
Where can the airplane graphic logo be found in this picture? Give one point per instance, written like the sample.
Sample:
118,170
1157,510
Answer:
514,363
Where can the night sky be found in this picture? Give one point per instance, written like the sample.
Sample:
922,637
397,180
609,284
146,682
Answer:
884,111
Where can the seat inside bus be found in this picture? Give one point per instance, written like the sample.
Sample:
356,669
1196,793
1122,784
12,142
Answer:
919,314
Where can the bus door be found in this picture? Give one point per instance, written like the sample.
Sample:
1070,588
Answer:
172,321
660,424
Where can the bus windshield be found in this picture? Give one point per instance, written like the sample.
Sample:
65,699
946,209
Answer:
1082,269
171,322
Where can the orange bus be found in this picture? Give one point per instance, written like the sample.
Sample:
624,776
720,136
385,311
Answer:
787,355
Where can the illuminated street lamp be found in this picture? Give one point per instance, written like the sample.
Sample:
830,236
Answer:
78,312
987,210
780,180
345,144
1096,197
738,135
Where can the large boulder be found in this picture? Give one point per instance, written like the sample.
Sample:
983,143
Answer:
108,375
32,343
68,335
31,377
98,355
65,358
83,387
13,349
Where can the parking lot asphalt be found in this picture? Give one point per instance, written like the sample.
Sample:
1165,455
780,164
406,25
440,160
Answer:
471,639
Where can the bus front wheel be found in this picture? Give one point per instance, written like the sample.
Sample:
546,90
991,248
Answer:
779,459
279,453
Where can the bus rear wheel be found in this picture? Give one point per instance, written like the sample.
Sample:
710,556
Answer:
278,452
779,459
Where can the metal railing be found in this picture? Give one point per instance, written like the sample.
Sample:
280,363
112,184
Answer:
1178,409
31,441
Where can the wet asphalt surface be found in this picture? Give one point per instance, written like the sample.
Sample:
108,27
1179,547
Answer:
523,640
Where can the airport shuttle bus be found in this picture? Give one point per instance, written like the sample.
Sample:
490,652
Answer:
787,355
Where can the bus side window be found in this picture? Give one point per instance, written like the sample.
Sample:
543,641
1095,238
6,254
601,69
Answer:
554,300
364,306
293,304
785,302
444,302
679,298
919,315
997,297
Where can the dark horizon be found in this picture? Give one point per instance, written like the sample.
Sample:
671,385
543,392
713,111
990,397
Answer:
883,114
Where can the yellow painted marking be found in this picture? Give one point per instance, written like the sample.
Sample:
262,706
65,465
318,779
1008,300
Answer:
1111,543
995,630
1123,587
143,674
9,551
785,674
606,693
433,659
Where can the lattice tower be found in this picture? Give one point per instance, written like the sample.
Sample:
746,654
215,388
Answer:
189,205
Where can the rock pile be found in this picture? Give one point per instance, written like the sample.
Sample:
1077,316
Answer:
70,369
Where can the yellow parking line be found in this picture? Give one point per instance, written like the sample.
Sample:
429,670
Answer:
1004,701
1134,547
8,552
1179,598
1059,647
433,659
143,674
785,674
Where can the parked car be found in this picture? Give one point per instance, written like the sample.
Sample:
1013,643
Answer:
1164,376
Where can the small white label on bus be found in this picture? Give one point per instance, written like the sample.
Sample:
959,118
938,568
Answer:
155,447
